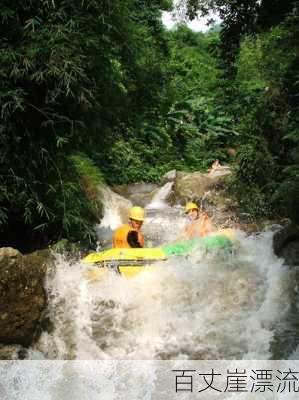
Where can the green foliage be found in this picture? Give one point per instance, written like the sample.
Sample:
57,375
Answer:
249,77
193,66
73,213
144,159
72,76
54,205
158,141
286,196
265,60
89,86
255,164
85,167
255,172
90,179
267,111
252,200
125,162
239,18
201,130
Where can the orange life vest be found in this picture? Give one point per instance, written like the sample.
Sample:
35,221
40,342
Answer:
120,237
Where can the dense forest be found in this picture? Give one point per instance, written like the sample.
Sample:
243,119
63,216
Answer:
94,91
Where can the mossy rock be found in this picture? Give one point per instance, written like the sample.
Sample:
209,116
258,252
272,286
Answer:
195,185
22,295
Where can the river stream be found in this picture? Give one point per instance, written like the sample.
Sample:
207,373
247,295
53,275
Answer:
200,306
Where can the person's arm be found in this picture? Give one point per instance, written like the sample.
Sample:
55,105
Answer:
208,225
133,239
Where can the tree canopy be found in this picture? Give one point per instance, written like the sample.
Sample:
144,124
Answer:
100,91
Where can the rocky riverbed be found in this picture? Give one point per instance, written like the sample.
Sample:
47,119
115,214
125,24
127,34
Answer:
23,299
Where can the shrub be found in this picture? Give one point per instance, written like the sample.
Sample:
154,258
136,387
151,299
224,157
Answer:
286,196
253,184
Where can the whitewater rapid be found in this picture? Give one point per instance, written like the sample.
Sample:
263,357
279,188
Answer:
225,306
118,338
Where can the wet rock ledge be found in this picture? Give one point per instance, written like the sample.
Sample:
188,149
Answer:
22,296
286,244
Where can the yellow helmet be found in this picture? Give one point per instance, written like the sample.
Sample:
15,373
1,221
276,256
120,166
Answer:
136,213
191,206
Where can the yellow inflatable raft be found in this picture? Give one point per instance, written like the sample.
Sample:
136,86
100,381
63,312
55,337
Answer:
129,262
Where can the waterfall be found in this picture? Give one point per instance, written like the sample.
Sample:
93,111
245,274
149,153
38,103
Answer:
159,199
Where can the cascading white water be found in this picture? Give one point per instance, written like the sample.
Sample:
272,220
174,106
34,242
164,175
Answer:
197,307
159,199
115,211
113,204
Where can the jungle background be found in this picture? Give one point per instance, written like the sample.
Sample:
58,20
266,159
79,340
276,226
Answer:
100,91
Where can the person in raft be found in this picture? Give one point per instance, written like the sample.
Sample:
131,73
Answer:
199,223
130,235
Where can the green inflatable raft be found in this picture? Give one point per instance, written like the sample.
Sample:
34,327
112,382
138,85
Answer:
128,261
216,241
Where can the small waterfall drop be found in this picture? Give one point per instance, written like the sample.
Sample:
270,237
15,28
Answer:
159,199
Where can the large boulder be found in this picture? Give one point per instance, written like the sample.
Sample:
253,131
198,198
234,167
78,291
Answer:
22,296
142,199
211,191
127,190
196,185
12,352
139,194
286,244
190,185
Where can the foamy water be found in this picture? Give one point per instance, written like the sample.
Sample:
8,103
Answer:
203,306
226,306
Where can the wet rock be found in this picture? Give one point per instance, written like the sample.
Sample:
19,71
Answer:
190,185
10,352
142,199
139,194
218,169
196,185
286,244
132,189
212,191
22,296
